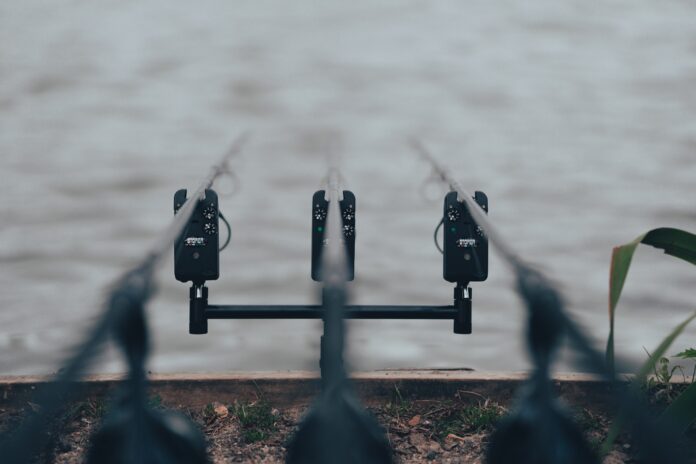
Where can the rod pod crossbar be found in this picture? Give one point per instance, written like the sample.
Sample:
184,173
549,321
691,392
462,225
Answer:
200,311
465,259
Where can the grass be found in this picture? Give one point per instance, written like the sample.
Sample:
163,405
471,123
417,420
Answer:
209,412
448,417
467,419
256,420
95,408
593,428
588,422
98,408
398,406
155,402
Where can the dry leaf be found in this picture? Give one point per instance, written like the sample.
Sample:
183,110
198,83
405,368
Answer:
418,441
220,409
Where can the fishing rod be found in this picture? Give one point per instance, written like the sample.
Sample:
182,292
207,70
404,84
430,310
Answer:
162,246
337,428
334,273
122,309
527,275
480,215
548,323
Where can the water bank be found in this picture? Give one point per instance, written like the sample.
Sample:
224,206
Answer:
293,388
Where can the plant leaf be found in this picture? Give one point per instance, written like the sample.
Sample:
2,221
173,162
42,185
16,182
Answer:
642,375
682,412
687,354
675,242
658,354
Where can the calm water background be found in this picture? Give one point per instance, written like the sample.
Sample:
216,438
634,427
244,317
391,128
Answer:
577,119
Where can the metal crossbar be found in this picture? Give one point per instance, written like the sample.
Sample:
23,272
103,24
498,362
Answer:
317,312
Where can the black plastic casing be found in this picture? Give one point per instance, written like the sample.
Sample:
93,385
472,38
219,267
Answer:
465,257
320,208
196,251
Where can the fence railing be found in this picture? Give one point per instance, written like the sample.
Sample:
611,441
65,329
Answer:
337,429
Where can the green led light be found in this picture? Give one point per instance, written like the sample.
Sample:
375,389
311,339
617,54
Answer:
453,229
320,229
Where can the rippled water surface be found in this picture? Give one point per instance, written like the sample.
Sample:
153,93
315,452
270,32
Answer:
578,120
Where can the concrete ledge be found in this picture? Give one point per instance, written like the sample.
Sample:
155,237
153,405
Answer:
298,388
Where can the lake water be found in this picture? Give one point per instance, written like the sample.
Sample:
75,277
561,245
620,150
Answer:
578,120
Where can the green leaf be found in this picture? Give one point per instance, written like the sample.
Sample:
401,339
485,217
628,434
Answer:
659,353
687,354
682,412
675,242
642,374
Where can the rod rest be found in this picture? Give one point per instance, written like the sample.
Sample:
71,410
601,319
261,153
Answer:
200,311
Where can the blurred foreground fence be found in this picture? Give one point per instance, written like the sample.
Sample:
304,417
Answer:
337,429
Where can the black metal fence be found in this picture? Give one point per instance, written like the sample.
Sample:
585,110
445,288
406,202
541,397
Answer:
337,428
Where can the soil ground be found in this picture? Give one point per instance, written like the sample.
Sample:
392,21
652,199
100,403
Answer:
447,430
